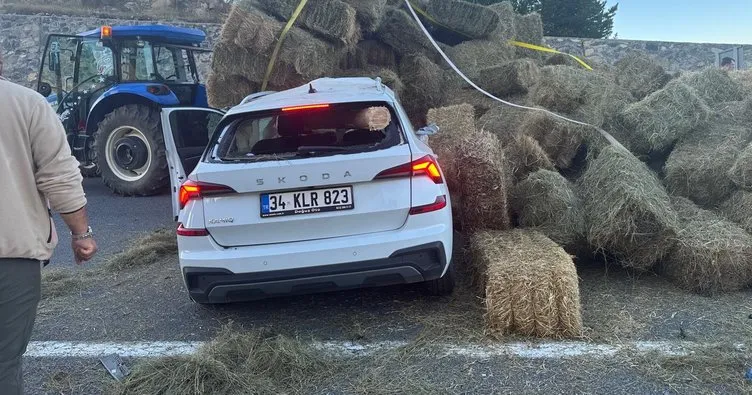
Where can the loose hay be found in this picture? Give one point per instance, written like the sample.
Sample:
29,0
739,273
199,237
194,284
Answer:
473,56
711,255
741,172
455,122
512,77
330,19
524,155
560,139
530,283
641,74
738,209
145,251
471,20
698,168
664,117
743,77
627,210
232,363
713,85
484,182
545,201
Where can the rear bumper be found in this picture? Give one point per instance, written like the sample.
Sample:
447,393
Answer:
410,265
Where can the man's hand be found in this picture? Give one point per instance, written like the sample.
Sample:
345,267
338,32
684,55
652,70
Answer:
84,249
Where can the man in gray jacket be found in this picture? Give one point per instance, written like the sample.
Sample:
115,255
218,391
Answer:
38,175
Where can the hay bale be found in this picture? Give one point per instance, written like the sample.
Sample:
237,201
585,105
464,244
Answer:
561,140
505,29
545,201
471,20
473,56
302,57
604,104
664,117
562,88
713,85
741,172
530,284
503,121
640,74
454,123
228,90
738,208
484,181
711,255
481,102
424,83
524,155
369,53
368,13
734,111
528,29
628,212
510,77
333,20
399,31
698,168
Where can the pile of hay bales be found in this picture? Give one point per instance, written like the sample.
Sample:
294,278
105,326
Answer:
685,136
530,284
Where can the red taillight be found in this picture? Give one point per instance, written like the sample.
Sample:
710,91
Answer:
439,204
308,107
425,166
194,190
182,231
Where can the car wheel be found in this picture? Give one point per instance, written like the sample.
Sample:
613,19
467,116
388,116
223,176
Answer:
442,286
130,152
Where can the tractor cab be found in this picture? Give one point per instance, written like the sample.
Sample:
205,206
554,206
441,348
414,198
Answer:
121,77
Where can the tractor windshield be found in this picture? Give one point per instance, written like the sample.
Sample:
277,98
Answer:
148,61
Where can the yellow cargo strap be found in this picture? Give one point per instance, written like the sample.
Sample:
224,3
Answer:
549,50
521,44
281,39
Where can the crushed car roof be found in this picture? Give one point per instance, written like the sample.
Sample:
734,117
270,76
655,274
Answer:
327,91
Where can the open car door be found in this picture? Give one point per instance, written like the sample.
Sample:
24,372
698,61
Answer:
187,131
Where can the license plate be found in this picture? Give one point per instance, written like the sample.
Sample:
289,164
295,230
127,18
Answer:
306,202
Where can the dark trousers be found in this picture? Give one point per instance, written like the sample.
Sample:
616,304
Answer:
20,291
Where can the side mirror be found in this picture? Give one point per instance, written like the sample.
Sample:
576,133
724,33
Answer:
428,130
45,89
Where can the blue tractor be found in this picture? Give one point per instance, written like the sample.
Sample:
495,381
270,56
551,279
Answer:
109,86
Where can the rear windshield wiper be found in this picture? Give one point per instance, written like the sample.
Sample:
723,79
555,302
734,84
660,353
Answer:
313,150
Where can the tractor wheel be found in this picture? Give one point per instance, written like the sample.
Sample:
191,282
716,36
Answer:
130,153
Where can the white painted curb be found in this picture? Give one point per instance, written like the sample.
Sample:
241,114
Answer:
543,350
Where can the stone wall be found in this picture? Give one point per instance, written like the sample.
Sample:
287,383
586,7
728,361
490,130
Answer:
674,56
22,39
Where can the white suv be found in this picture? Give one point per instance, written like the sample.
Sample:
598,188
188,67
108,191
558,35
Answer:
295,194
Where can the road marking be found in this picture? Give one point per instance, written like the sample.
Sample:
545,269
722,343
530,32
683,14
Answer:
542,350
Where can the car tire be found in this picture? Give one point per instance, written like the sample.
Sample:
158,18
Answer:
442,286
141,125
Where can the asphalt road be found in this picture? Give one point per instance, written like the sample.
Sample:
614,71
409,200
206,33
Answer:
115,220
